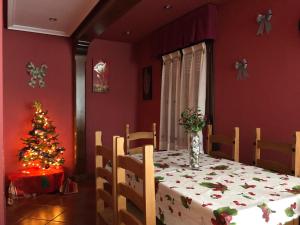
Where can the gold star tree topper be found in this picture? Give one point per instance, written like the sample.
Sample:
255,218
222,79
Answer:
37,106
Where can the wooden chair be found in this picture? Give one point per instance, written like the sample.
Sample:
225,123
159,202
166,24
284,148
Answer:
233,141
145,171
130,137
282,148
105,198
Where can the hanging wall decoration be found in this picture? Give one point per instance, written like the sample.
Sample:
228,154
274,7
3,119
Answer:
264,22
37,75
100,77
241,66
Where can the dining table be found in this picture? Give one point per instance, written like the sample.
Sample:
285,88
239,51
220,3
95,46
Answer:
220,192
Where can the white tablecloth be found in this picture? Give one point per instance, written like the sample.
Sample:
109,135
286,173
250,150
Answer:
222,192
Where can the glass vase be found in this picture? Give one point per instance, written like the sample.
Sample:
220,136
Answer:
195,149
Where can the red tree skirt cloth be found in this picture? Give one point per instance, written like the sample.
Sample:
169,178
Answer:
35,181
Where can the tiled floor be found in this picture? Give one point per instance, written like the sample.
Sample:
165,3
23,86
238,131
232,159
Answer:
55,209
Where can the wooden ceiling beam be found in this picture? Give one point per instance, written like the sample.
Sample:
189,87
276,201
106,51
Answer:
104,14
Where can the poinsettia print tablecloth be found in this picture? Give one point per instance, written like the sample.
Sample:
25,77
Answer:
221,192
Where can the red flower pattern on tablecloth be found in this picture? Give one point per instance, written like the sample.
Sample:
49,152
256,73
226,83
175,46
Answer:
295,190
169,198
216,196
258,179
158,179
266,211
186,202
207,204
212,174
238,203
161,216
188,176
220,167
161,165
223,216
246,186
240,186
290,211
215,186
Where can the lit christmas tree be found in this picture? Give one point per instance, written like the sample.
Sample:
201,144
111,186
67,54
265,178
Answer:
41,147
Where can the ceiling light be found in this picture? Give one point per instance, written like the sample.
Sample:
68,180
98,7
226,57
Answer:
128,32
52,19
168,6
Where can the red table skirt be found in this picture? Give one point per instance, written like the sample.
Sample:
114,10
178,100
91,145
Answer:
35,181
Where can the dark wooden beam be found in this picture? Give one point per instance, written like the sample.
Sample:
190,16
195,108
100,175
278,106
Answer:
5,13
80,50
104,14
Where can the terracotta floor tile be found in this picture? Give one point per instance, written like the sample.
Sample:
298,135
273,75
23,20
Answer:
32,222
46,212
73,209
16,213
12,219
58,223
77,217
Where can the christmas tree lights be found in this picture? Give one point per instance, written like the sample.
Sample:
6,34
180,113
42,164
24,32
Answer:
41,148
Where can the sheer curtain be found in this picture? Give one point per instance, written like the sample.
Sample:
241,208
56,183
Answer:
183,85
170,89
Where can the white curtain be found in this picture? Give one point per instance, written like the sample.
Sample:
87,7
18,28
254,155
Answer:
183,85
170,85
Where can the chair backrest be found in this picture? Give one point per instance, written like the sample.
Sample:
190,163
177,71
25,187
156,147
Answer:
145,171
130,137
233,141
282,148
105,198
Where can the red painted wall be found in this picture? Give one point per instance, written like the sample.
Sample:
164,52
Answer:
148,110
56,97
109,112
269,98
2,198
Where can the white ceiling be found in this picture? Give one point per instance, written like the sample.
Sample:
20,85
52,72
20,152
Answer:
33,15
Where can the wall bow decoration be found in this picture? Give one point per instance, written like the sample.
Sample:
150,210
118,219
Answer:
242,67
264,22
37,75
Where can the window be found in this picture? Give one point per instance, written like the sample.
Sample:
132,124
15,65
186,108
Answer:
183,85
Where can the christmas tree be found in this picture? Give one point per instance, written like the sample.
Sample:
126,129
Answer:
41,147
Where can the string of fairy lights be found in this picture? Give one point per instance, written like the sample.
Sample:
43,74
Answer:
41,148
